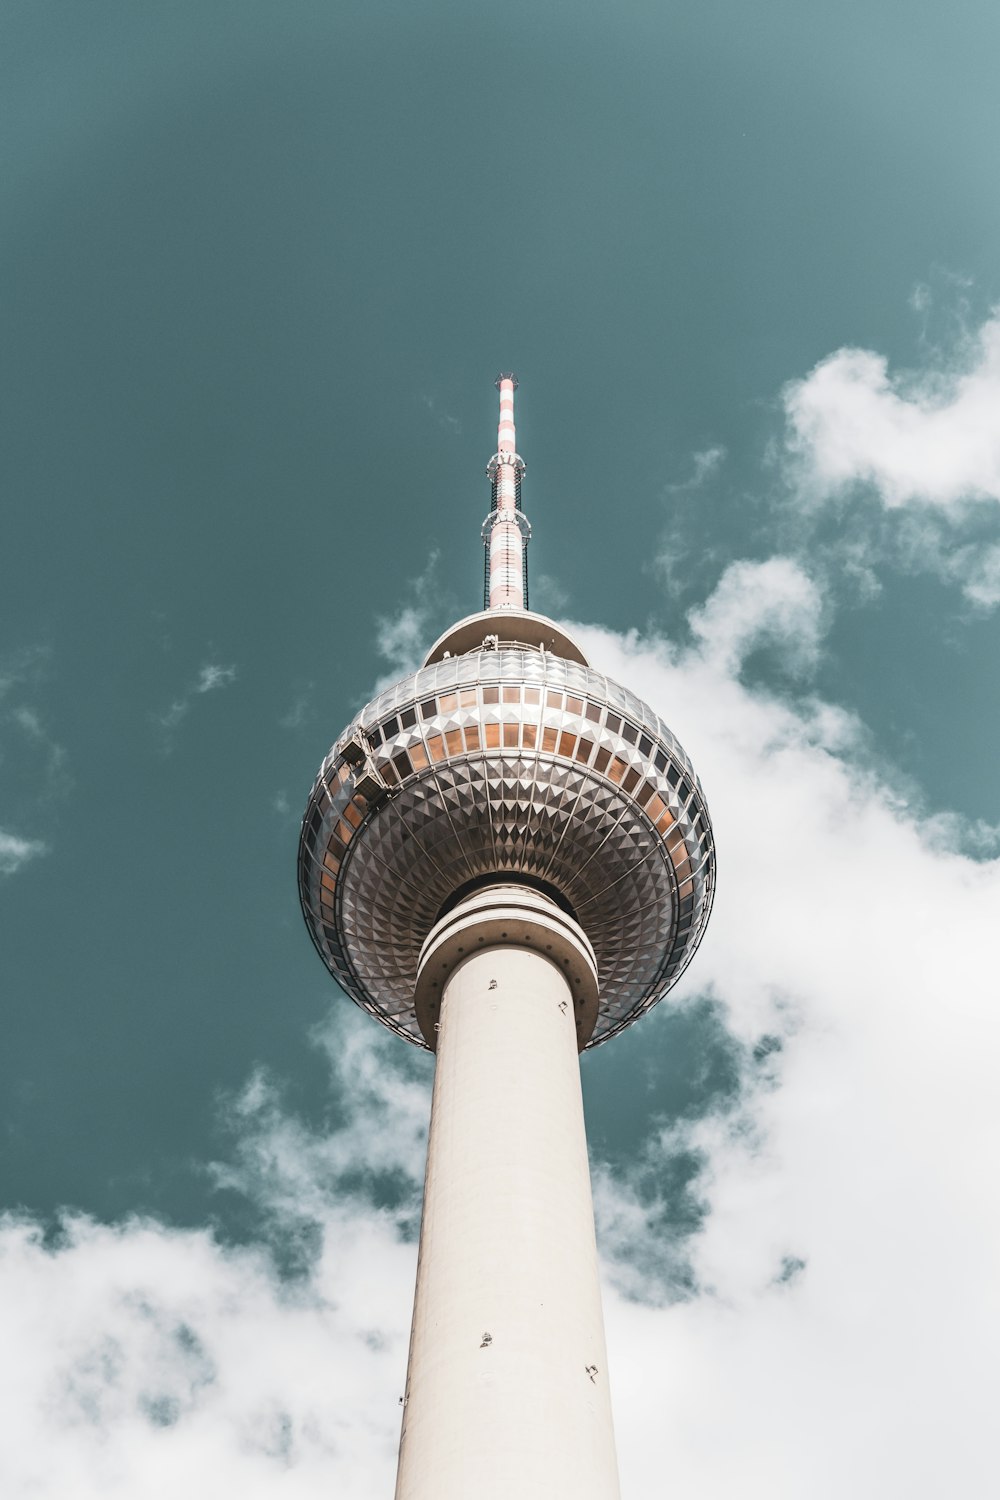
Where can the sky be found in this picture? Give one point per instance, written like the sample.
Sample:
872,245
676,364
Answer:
261,264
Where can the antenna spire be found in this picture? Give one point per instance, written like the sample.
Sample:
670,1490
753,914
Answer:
506,532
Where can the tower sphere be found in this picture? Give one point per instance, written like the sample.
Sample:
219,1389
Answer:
506,757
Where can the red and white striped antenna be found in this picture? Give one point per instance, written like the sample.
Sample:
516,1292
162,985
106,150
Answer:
506,531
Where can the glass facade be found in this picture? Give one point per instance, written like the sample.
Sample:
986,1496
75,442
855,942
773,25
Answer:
506,761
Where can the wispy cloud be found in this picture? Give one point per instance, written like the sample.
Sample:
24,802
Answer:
53,755
548,594
444,419
704,463
301,709
16,852
677,538
211,678
36,761
403,638
294,1173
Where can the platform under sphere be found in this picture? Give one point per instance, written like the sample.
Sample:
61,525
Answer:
508,760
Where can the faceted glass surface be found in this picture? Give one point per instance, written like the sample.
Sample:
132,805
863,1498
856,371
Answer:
507,761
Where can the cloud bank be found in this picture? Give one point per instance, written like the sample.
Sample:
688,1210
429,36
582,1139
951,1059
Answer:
840,1341
142,1360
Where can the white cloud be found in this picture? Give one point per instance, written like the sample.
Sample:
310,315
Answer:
919,438
771,603
16,852
911,459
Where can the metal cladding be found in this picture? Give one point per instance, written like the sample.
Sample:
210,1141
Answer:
506,760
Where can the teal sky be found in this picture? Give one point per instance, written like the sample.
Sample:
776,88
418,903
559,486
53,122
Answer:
260,264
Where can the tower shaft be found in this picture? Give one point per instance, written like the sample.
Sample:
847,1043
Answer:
507,1388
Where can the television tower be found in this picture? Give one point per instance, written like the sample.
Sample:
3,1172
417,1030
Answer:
506,858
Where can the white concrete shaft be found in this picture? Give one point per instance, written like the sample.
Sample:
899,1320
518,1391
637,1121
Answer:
507,1387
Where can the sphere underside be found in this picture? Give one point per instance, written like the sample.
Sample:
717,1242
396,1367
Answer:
506,762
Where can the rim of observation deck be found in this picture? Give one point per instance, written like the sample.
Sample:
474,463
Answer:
512,627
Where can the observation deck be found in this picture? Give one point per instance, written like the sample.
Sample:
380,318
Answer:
506,757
